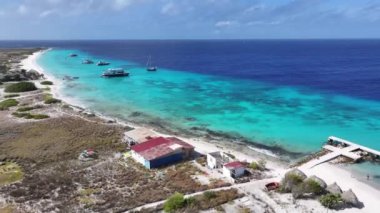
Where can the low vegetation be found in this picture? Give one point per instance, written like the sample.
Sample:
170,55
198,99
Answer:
309,188
11,96
47,83
21,87
331,201
29,115
260,165
175,202
205,201
6,104
48,99
289,182
10,173
25,109
8,208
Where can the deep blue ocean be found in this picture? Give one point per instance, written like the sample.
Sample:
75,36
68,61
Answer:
349,67
286,94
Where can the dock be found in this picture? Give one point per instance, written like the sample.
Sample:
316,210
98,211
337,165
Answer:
338,147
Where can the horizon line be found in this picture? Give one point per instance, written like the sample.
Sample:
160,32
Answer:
185,39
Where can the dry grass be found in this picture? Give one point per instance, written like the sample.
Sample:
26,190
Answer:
10,173
56,139
8,209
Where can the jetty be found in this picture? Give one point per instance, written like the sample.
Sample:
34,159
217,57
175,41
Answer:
338,147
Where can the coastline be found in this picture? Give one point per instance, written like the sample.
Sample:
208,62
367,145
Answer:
365,192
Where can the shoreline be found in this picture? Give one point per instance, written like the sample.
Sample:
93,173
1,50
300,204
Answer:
366,193
219,139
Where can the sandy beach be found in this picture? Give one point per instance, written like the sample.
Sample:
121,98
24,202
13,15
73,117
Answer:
368,195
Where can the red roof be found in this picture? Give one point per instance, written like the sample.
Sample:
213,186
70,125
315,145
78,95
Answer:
157,147
149,144
234,165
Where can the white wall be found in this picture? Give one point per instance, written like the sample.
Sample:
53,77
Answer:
226,172
238,172
211,161
137,157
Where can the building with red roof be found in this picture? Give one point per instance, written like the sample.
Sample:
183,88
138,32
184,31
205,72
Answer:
161,151
234,169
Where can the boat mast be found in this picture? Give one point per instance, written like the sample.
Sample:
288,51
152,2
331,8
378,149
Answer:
148,62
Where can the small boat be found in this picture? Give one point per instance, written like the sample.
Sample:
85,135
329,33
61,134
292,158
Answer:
69,78
115,72
73,55
149,67
103,63
87,61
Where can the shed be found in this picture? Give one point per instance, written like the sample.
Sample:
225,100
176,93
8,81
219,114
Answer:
233,169
217,159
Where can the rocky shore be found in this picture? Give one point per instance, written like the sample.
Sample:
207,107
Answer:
10,68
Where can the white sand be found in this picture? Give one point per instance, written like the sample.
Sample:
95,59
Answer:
328,172
30,63
365,193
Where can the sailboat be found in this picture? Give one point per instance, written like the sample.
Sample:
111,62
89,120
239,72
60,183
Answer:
149,67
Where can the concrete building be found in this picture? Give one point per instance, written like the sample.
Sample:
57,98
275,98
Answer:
233,169
216,160
160,151
139,135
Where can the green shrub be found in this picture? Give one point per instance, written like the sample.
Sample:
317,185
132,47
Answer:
289,182
209,195
312,186
4,105
21,87
29,115
191,201
11,95
52,101
309,188
48,99
175,202
24,109
260,165
331,201
47,83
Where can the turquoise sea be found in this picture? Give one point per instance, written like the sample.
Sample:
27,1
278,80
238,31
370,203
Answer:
297,119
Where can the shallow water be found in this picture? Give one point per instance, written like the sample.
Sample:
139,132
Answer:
298,119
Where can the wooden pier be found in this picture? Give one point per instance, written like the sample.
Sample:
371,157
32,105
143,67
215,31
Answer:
339,147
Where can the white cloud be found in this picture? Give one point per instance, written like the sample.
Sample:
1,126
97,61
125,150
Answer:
254,8
263,23
22,9
169,9
225,23
54,1
46,13
121,4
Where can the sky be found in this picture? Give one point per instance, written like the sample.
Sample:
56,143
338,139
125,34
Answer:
188,19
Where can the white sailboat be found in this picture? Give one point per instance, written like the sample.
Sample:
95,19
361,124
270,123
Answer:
149,67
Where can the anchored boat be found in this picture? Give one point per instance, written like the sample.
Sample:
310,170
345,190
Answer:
149,67
115,72
87,61
103,63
